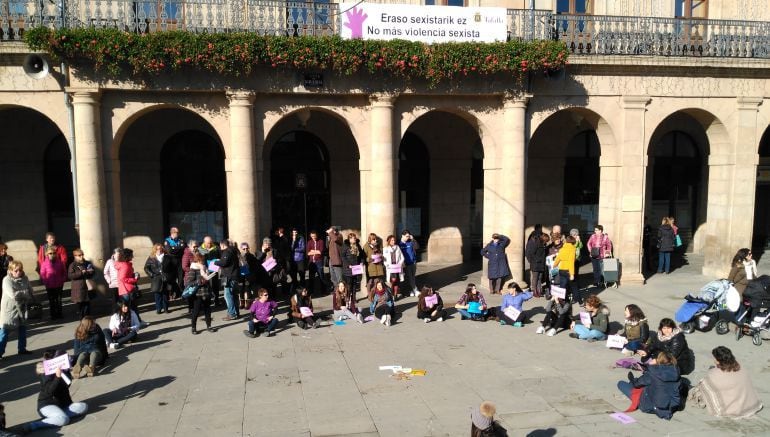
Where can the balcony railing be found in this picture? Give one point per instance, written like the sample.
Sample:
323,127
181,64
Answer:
583,34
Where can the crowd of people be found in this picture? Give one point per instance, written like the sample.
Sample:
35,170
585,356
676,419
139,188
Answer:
289,266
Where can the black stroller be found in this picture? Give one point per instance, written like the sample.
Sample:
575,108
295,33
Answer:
754,316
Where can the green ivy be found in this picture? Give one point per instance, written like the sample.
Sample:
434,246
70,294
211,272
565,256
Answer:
238,54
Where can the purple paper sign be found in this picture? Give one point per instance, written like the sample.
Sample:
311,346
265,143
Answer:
431,300
376,258
369,319
357,269
394,268
623,418
585,319
269,264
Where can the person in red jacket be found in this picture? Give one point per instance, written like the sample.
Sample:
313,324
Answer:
127,280
50,242
53,274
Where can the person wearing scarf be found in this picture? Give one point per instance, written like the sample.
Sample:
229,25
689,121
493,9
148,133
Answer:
669,338
13,309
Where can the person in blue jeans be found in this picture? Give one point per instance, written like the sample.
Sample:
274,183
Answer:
666,241
229,271
463,305
17,293
409,248
600,321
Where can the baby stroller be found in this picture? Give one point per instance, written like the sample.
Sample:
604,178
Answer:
754,317
706,309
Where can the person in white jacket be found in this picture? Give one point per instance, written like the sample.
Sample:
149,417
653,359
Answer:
393,259
111,274
124,325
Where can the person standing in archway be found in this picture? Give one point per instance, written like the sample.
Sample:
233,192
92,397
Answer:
409,247
497,266
297,264
599,247
666,238
315,252
375,269
175,249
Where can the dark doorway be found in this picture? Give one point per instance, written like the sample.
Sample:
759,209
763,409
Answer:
676,179
299,181
477,200
193,184
581,182
414,188
59,193
761,234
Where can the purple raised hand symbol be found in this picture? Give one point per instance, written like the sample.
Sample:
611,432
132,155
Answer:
355,23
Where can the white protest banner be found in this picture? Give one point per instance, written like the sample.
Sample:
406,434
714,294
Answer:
60,362
616,341
559,292
428,24
512,312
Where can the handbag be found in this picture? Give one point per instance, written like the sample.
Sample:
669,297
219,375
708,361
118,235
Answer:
678,241
190,291
594,252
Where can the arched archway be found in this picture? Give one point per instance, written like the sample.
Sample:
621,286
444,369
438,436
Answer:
172,173
441,185
192,169
315,148
761,235
299,181
35,161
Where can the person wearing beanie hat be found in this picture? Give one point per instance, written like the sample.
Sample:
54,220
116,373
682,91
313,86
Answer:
483,421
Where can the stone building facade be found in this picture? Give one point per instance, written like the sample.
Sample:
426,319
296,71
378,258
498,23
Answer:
618,138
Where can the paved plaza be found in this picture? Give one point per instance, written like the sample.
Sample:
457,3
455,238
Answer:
327,382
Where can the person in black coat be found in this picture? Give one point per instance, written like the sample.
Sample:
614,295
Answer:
658,390
352,255
535,252
669,339
229,269
159,267
666,241
497,268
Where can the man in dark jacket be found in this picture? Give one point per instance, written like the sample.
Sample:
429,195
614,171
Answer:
175,249
229,269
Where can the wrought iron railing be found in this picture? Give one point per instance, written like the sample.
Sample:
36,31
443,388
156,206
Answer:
583,34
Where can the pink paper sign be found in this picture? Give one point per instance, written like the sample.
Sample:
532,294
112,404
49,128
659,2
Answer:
357,269
623,418
213,267
585,319
431,301
305,311
60,362
395,268
376,258
269,264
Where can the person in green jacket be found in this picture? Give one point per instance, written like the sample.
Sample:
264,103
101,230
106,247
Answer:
600,321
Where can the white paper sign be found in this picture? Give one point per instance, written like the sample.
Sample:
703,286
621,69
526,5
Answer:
585,319
512,312
427,24
616,341
60,362
395,268
559,292
306,312
357,269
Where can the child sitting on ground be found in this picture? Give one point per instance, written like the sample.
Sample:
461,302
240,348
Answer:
558,314
515,298
262,316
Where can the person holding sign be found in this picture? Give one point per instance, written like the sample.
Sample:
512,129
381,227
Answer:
124,326
353,258
511,310
594,321
382,306
565,262
472,305
558,312
263,315
394,264
430,306
229,270
658,390
344,303
375,268
302,310
54,402
201,300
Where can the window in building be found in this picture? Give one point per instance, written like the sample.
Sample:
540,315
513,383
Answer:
573,6
691,9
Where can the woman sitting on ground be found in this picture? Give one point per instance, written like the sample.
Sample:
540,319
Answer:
515,299
302,310
636,330
430,306
472,305
54,403
669,338
382,306
90,347
600,321
658,390
124,326
726,391
262,315
344,304
558,314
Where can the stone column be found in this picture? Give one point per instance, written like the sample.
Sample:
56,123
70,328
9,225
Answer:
382,184
114,203
627,235
92,200
513,180
241,165
733,178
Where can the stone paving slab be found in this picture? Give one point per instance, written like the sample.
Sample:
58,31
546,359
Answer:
326,381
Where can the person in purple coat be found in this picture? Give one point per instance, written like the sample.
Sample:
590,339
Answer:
263,316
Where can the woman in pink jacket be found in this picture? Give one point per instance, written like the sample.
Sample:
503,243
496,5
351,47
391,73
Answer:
127,280
53,274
